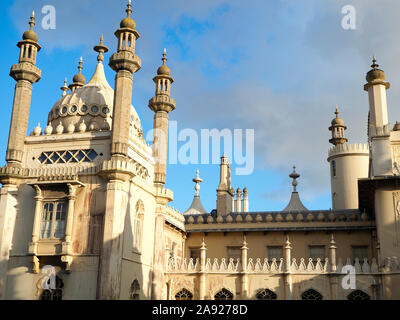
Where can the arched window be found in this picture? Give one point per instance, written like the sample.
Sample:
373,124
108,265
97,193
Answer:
358,295
137,232
266,294
311,294
135,290
53,294
223,294
184,294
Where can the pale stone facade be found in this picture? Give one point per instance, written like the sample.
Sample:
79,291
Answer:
86,195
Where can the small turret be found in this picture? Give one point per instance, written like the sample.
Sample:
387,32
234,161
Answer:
295,203
78,80
337,128
196,207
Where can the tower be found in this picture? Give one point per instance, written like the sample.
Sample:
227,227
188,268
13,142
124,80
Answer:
162,104
348,163
125,63
225,194
25,73
379,131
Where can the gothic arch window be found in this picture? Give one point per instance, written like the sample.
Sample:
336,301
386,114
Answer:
135,290
138,226
311,294
53,294
358,295
266,294
223,294
184,294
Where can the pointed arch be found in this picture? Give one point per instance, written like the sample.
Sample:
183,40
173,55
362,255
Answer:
223,294
358,295
311,294
184,294
266,294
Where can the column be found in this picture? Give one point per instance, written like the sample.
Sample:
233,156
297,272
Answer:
202,278
245,278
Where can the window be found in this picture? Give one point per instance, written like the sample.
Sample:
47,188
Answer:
135,290
275,252
358,295
53,294
184,294
334,168
316,252
360,252
67,156
234,253
138,226
311,294
266,294
53,220
223,294
194,253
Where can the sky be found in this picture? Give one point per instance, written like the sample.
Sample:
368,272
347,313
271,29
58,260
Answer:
276,66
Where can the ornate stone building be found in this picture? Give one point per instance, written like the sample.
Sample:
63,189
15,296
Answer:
84,209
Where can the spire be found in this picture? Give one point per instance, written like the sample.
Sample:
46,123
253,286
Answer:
128,21
64,88
295,203
337,128
100,48
196,207
99,77
197,180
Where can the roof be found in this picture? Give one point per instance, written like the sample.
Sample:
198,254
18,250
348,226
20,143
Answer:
196,207
295,203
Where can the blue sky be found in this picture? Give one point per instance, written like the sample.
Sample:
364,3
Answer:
278,67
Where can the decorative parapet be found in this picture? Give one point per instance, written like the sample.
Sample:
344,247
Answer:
130,166
173,216
348,148
279,219
261,266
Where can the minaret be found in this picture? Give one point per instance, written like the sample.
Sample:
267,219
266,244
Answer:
125,62
162,104
225,194
25,73
78,80
238,200
379,131
337,128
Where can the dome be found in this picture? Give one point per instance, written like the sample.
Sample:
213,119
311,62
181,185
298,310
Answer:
128,23
91,104
375,75
79,78
396,126
163,70
337,122
30,35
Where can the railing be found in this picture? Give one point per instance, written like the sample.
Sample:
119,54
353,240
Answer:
176,265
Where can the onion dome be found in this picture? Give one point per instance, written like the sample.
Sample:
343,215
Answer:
78,80
89,106
164,70
396,126
30,34
128,21
337,121
375,76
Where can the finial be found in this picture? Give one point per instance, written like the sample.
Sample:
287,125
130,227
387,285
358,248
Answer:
128,9
337,111
197,180
164,58
294,175
100,48
244,240
374,65
64,88
203,244
32,21
80,64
